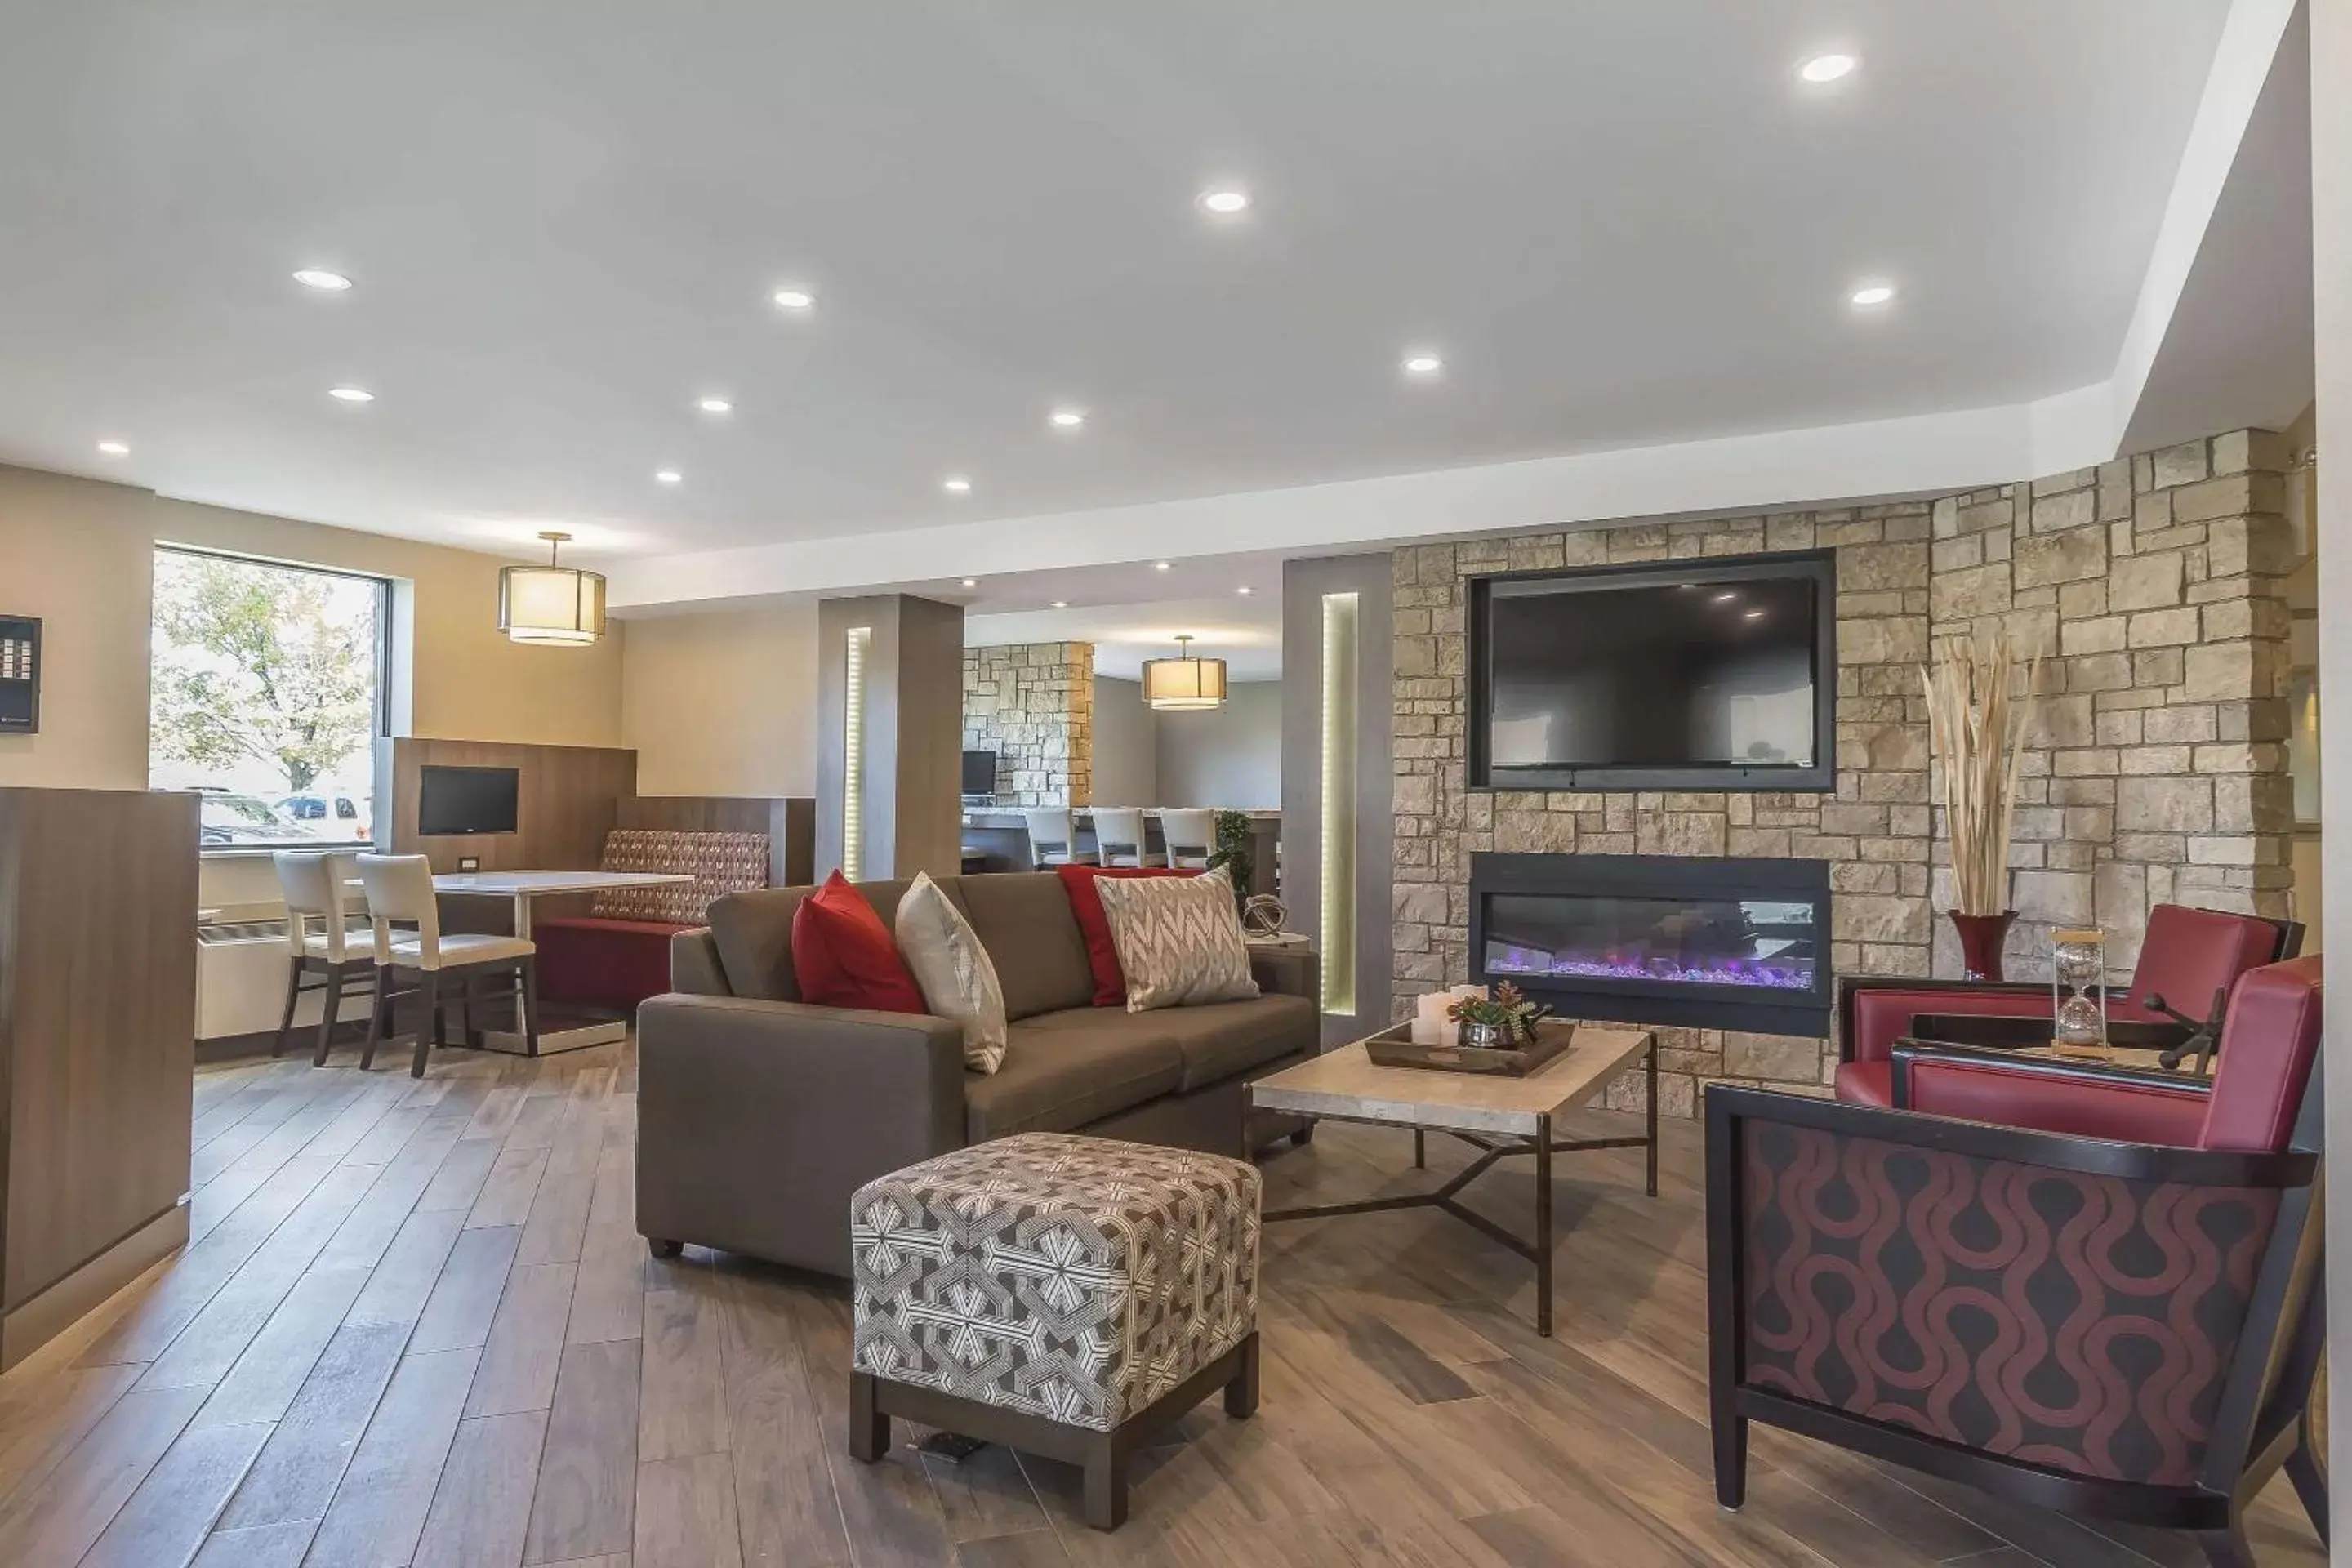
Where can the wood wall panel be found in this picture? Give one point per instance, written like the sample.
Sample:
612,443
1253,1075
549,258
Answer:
568,799
98,1008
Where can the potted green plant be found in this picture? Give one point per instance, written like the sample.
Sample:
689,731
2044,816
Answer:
1503,1020
1232,852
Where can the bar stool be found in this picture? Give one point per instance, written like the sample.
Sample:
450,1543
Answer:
1052,840
311,882
1118,837
1190,838
400,888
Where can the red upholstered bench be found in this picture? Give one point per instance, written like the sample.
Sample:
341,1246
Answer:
619,955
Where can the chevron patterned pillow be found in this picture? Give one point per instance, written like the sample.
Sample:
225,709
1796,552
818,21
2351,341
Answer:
1179,940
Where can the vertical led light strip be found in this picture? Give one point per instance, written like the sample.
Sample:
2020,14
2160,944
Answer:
853,761
1339,829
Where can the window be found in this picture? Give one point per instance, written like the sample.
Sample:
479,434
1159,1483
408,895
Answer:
267,692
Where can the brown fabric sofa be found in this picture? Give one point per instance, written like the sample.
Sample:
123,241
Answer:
759,1115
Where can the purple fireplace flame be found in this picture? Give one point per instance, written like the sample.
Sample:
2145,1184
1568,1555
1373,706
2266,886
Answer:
1508,958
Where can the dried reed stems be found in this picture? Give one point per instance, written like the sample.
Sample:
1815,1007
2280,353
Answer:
1976,708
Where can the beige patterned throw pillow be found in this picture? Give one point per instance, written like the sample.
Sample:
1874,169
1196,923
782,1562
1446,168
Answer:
1179,940
957,981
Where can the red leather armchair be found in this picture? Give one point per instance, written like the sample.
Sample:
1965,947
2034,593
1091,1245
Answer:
2106,1299
2187,956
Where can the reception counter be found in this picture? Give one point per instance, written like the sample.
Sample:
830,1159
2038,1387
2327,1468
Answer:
997,839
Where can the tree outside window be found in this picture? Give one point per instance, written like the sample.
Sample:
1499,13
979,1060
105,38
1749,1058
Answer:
266,696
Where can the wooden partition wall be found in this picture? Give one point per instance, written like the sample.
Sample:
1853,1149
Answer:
97,1015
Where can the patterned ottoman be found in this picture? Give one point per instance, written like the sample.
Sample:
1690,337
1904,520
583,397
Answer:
1064,1296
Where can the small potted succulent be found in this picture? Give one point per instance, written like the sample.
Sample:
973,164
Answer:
1502,1020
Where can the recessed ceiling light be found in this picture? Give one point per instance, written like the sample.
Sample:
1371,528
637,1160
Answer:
1422,364
794,299
114,448
1755,614
971,582
668,477
1245,590
350,394
1067,419
319,278
1726,598
1827,68
956,485
1871,294
1162,565
1061,604
714,406
1226,200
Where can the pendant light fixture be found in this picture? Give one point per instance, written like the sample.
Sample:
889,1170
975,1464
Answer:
551,604
1184,684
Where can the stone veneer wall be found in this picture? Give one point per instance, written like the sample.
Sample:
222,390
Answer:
1034,705
2157,767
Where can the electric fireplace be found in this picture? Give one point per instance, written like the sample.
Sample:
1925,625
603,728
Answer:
1651,938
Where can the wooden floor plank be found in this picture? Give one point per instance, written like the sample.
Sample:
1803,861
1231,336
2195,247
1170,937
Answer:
686,1514
380,1507
482,1511
300,1467
465,1300
54,1522
683,1408
263,1383
586,1500
165,1522
525,1347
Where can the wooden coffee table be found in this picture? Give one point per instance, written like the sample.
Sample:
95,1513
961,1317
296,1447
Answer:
1496,1116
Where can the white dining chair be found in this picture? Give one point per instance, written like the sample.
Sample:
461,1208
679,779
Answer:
1119,837
311,884
1190,838
400,890
1052,840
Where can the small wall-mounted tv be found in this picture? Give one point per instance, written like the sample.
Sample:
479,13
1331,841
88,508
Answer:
979,772
467,800
1703,675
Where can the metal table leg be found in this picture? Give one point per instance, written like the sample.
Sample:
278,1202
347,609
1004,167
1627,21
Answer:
1543,1226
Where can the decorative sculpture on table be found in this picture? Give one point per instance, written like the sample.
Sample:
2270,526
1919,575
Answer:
1263,914
2078,997
1976,728
1503,1020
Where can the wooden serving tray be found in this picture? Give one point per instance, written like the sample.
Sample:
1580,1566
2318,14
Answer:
1395,1048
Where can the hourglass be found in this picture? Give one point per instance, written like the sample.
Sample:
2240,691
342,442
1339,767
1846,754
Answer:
2078,997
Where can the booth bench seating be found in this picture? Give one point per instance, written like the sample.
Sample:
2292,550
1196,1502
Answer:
618,954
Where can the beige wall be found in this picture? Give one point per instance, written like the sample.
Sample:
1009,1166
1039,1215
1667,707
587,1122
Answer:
723,704
79,553
1228,757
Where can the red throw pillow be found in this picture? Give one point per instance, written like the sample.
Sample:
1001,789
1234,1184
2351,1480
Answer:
845,957
1102,955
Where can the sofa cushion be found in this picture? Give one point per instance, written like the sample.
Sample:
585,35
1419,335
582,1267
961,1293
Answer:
753,933
1025,921
1059,1079
845,956
1109,981
1179,940
1216,1039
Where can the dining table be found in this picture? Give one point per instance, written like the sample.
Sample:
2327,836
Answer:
591,1026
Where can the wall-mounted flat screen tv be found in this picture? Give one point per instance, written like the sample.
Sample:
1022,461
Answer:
979,772
467,800
1701,676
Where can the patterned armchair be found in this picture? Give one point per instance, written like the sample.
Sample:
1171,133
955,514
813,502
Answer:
2127,1330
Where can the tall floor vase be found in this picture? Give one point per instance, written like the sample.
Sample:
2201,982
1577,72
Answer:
1982,937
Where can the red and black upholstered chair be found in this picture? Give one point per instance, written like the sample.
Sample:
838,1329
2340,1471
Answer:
2188,957
2056,1309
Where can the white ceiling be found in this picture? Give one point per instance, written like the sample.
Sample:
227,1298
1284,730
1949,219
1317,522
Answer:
1622,226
